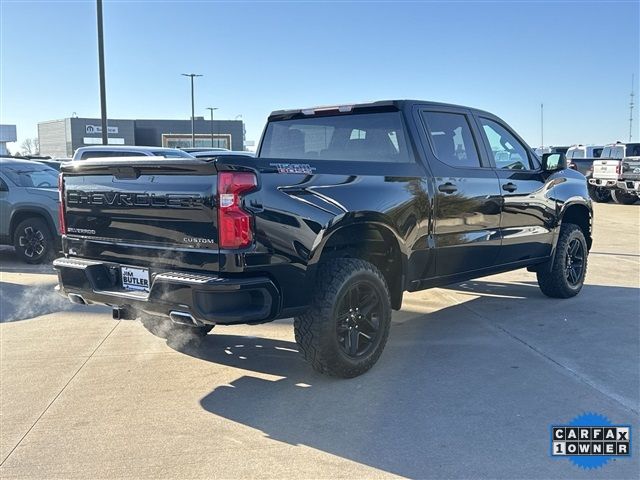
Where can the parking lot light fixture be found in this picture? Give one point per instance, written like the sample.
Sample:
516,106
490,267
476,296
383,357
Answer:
212,109
103,93
193,109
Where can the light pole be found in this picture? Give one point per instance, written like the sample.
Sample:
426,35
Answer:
542,126
193,108
211,109
244,131
103,93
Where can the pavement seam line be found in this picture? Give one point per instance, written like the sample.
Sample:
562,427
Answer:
59,393
572,372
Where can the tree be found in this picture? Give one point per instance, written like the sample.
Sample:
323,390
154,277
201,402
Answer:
30,146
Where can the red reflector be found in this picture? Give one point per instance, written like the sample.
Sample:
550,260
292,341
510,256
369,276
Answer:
61,219
234,223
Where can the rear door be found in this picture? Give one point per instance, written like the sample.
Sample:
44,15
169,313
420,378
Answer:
467,193
527,215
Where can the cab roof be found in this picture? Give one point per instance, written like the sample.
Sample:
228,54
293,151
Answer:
381,105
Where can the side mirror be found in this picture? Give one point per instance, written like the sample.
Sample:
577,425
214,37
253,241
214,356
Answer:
552,162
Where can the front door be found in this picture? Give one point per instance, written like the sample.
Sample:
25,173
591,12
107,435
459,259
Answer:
527,214
467,193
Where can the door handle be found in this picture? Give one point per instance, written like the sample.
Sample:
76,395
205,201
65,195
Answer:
448,188
509,187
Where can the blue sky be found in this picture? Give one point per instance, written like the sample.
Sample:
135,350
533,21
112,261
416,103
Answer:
506,57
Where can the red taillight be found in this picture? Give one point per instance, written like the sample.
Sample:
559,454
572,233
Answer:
61,221
234,224
618,168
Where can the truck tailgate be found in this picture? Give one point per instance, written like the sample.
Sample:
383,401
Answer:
162,208
606,169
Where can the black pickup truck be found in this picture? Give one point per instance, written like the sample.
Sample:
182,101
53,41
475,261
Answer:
342,210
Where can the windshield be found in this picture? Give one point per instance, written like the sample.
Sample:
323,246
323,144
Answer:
377,137
37,176
613,152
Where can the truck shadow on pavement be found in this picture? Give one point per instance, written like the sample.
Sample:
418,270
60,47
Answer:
457,383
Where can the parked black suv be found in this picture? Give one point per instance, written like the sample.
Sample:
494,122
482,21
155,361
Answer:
343,209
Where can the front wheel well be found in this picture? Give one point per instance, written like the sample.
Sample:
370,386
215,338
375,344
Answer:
374,244
579,215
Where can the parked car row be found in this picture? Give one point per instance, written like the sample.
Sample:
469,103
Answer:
618,172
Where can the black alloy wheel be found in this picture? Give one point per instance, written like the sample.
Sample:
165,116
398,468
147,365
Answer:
358,325
574,264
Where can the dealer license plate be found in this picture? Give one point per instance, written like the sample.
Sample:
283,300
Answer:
134,278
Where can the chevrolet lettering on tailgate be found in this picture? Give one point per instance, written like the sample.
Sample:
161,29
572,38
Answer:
133,199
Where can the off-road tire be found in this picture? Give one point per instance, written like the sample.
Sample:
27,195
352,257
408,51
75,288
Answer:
623,198
553,281
599,194
33,241
315,330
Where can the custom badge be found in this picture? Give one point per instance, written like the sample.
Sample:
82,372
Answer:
590,440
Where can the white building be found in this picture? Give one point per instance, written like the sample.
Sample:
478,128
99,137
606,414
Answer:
7,134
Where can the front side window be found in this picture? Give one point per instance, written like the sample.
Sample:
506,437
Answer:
374,137
451,138
507,151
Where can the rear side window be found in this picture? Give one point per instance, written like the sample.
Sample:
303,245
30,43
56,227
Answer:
633,150
367,137
23,176
575,153
452,139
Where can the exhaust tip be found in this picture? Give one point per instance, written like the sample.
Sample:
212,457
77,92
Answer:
182,318
77,299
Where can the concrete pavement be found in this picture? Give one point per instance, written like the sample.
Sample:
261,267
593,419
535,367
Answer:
472,377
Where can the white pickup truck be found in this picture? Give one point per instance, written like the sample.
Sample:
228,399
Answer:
618,169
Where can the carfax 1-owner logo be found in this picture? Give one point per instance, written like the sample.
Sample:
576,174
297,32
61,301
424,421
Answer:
590,440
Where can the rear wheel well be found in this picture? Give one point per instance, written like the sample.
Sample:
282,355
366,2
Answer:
579,215
374,244
25,214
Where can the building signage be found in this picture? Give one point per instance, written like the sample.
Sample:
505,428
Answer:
98,129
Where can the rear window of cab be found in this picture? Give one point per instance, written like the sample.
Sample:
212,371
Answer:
371,137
